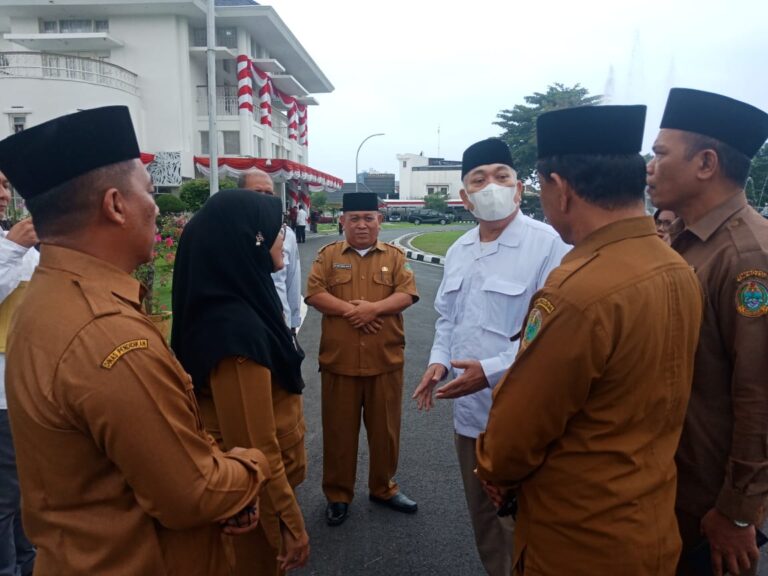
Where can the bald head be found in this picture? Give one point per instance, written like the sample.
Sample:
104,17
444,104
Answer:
256,180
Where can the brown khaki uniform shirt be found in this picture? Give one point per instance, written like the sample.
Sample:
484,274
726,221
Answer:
117,473
723,456
588,418
342,272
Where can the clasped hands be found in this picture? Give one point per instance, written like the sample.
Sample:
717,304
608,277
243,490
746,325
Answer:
364,315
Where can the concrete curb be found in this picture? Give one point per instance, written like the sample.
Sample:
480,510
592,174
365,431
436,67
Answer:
403,243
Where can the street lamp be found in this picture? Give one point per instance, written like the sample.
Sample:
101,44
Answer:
358,153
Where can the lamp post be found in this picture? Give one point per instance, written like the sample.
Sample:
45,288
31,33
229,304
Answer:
358,153
213,137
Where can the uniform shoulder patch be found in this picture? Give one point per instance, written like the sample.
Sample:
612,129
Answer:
752,293
327,246
122,350
396,247
541,307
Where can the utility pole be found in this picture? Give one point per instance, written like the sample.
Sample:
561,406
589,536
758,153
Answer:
213,135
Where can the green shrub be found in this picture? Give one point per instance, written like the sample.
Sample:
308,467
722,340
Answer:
195,192
170,204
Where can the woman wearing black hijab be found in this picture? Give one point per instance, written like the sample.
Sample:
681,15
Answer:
230,335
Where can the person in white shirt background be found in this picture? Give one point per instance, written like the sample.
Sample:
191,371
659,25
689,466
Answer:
490,274
18,259
301,224
288,280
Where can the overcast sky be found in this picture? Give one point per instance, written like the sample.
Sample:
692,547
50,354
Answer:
405,67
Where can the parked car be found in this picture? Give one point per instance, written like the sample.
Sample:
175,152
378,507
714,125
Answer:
394,217
428,216
324,219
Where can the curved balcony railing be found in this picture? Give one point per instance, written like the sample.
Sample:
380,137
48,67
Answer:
66,67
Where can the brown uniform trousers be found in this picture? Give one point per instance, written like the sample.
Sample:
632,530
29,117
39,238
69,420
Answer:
245,407
361,373
117,473
722,460
587,420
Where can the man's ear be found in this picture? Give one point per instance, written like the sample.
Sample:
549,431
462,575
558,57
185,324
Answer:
465,198
113,206
564,192
707,164
519,191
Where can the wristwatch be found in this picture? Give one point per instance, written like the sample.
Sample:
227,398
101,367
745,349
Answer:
740,524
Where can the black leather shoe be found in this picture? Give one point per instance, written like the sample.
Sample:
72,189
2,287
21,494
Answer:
399,502
336,513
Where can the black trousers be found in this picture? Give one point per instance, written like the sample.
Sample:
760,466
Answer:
301,234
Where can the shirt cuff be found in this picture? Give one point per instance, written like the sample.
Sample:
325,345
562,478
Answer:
438,357
742,508
9,249
494,369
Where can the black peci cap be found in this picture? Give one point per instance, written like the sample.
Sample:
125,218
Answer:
71,146
360,202
490,151
735,123
591,130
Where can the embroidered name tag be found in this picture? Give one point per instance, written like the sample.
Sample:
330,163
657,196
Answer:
122,350
343,266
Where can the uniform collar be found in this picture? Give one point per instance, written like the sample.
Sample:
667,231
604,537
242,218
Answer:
613,232
378,246
93,269
706,226
510,236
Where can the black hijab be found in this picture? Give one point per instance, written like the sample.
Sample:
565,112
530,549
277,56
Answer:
224,300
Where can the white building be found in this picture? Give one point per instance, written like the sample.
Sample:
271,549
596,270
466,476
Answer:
58,57
420,176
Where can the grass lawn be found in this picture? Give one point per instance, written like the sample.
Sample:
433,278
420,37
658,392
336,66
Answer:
436,242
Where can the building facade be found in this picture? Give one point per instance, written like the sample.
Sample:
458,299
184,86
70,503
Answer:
57,58
421,176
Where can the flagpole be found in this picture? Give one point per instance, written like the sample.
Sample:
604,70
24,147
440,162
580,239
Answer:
213,136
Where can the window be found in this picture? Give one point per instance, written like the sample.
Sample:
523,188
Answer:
258,144
405,164
226,37
231,142
73,26
18,123
275,151
204,142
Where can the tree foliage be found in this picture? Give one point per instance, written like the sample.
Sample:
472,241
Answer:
319,200
757,183
170,204
195,192
436,201
519,123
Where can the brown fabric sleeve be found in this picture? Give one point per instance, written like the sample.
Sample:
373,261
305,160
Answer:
242,394
405,279
317,279
744,494
534,396
142,413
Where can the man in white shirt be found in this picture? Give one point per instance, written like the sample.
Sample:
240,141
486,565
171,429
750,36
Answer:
490,274
288,280
18,260
301,224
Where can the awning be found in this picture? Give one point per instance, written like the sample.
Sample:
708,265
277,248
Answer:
280,170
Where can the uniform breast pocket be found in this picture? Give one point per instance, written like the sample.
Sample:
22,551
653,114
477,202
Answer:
448,304
504,305
383,285
340,284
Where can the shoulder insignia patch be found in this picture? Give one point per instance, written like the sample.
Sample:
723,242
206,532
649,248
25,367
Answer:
122,350
407,266
535,320
752,293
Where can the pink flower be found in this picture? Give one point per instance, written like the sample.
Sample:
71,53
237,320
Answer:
169,242
170,257
158,238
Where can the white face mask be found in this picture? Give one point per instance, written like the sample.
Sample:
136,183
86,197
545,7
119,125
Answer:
493,202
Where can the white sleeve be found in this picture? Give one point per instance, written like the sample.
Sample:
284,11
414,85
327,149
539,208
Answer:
293,285
495,367
444,327
11,258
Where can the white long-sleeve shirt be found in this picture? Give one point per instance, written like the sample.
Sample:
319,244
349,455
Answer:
288,281
482,302
16,265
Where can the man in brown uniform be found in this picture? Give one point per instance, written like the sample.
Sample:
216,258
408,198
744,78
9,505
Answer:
361,286
117,474
702,158
586,422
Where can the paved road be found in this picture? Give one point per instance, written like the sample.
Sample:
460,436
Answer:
374,541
